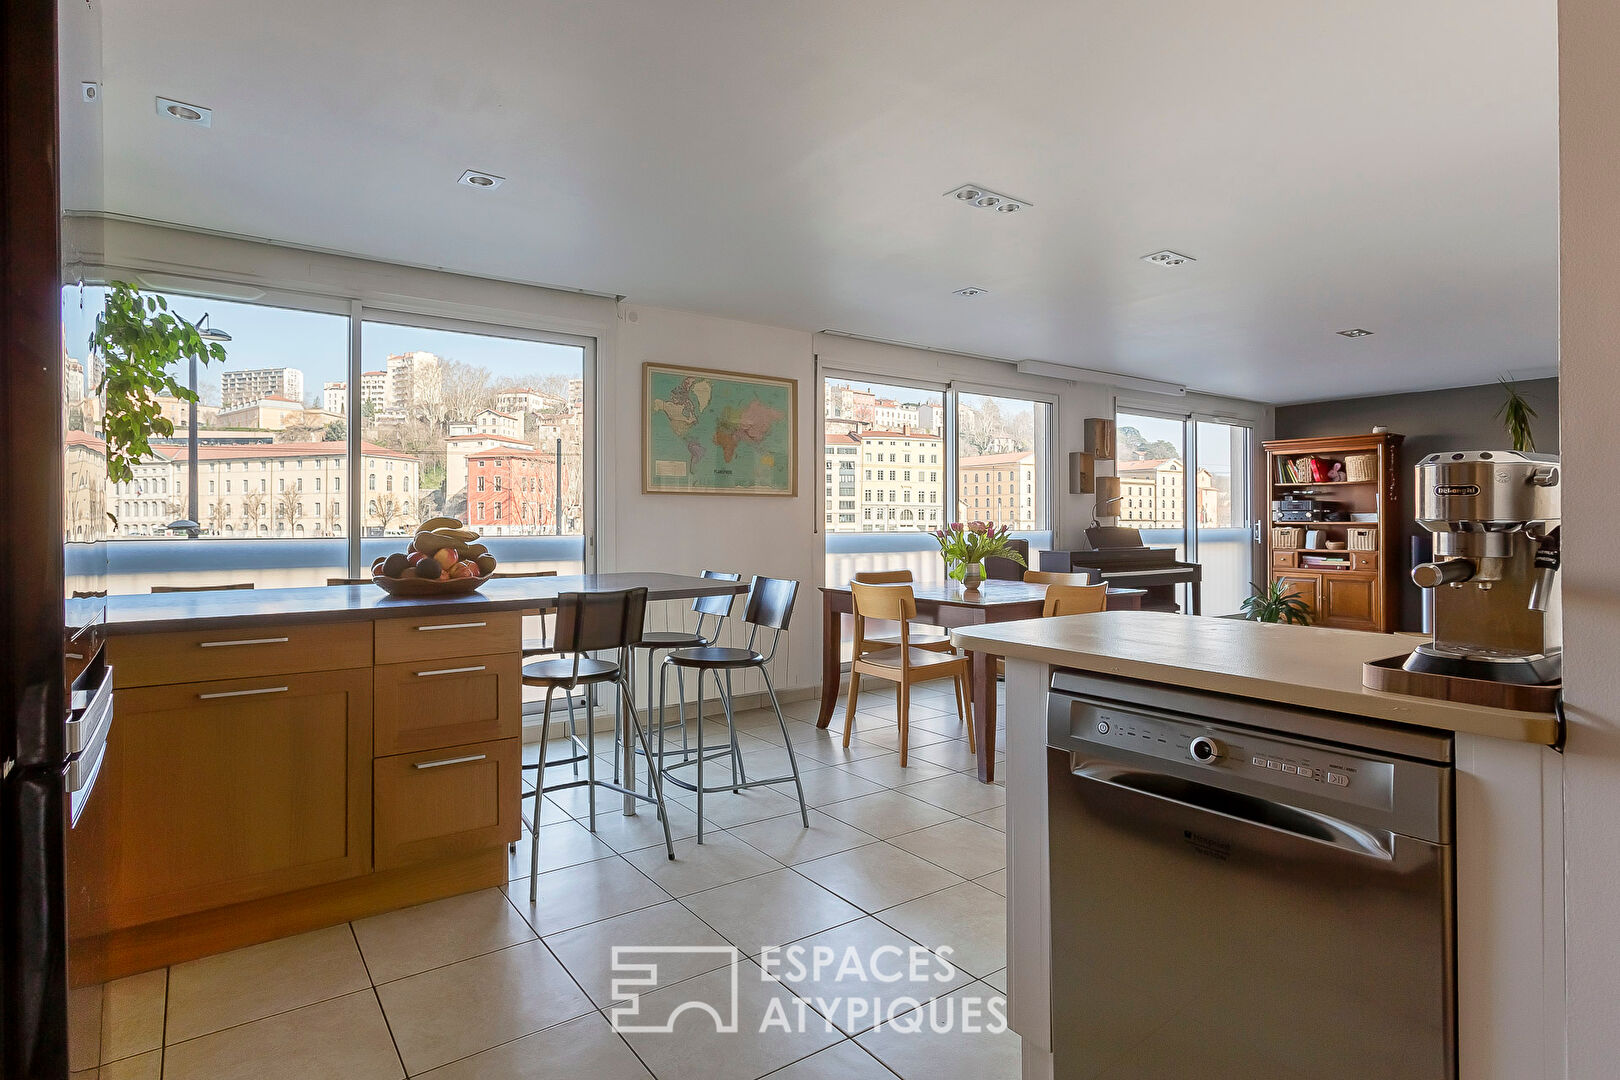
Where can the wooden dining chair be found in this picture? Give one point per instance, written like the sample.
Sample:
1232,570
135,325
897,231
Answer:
1074,599
936,638
904,663
202,588
1050,577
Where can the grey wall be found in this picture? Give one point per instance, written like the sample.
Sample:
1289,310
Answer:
1458,419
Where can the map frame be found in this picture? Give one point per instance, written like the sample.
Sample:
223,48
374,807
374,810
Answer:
667,485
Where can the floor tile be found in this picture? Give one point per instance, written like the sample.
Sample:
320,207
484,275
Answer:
342,1039
998,979
448,1013
772,909
995,817
877,876
147,1066
723,809
886,770
414,939
969,919
624,834
132,1012
84,1008
971,1050
958,793
996,882
586,1047
587,951
585,893
887,813
951,755
826,745
719,860
886,733
945,721
862,972
563,842
843,1061
836,784
960,846
236,987
786,840
695,1050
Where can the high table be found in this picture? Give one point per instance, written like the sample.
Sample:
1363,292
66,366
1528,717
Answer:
949,605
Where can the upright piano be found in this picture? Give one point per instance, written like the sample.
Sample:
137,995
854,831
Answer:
1118,557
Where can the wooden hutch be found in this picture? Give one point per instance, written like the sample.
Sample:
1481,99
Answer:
1354,584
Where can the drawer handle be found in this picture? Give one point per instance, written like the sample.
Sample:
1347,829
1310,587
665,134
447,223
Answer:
454,626
244,693
451,761
450,671
245,641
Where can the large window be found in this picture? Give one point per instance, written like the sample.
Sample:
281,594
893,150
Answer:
1002,458
439,410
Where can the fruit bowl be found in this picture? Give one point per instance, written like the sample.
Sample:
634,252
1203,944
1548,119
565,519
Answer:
411,585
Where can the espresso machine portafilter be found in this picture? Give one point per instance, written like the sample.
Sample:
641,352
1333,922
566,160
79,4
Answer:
1495,519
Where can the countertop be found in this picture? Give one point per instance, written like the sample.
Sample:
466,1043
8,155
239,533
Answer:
1308,666
162,612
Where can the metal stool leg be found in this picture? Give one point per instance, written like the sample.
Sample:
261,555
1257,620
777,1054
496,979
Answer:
793,760
700,759
737,775
590,755
573,729
680,688
539,798
646,751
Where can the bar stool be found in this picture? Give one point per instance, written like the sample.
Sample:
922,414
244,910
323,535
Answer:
770,606
654,642
586,623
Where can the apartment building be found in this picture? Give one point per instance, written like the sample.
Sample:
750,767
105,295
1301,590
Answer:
250,384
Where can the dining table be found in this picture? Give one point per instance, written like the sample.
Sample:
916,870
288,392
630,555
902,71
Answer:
950,604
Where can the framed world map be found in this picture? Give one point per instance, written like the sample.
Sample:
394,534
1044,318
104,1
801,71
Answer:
717,432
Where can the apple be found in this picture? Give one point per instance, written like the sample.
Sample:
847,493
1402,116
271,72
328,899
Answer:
413,556
463,569
446,557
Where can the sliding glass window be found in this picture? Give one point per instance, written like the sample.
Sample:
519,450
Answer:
1002,464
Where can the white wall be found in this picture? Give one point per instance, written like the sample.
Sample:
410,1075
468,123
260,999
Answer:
1589,394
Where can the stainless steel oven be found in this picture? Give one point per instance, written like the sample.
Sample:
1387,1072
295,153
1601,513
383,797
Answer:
1245,891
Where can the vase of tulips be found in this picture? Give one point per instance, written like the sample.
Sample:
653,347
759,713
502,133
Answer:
965,546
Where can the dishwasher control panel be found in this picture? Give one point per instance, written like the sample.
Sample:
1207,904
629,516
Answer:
1269,758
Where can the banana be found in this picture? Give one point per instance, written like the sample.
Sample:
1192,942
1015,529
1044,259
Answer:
466,536
429,542
472,551
440,523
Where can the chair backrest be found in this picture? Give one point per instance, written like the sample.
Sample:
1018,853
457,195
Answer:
884,577
770,603
997,568
718,606
348,581
1074,600
599,621
1049,577
524,573
202,588
896,603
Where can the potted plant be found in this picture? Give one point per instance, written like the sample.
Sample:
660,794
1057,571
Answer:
1276,604
139,341
1516,415
965,546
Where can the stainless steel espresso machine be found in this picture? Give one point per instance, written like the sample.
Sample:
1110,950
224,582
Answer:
1495,519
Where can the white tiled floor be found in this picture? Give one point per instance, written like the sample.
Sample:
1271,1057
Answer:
486,985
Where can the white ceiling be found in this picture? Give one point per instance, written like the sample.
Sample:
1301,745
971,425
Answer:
1381,164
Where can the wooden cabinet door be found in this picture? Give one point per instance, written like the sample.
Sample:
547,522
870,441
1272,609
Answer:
434,703
1307,587
1350,601
439,804
218,792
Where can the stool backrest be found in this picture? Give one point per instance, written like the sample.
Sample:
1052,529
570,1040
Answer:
884,577
1074,600
718,606
770,606
1052,577
599,621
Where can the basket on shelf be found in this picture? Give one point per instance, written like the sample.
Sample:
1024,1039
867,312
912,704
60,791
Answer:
1359,467
1362,539
1284,537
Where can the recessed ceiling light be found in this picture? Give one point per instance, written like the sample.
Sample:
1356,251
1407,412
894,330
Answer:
985,199
190,114
1168,258
971,290
1357,332
473,178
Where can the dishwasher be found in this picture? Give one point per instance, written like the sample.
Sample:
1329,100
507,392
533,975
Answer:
1246,891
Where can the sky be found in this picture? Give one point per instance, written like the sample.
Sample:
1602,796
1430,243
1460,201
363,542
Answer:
318,343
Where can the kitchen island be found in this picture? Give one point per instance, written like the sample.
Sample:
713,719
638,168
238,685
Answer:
284,759
1508,826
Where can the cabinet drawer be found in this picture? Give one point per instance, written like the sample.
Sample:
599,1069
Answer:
447,802
1285,560
447,702
162,659
1364,560
405,641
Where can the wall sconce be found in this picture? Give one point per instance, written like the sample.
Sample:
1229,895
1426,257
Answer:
1082,473
1100,439
1107,497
